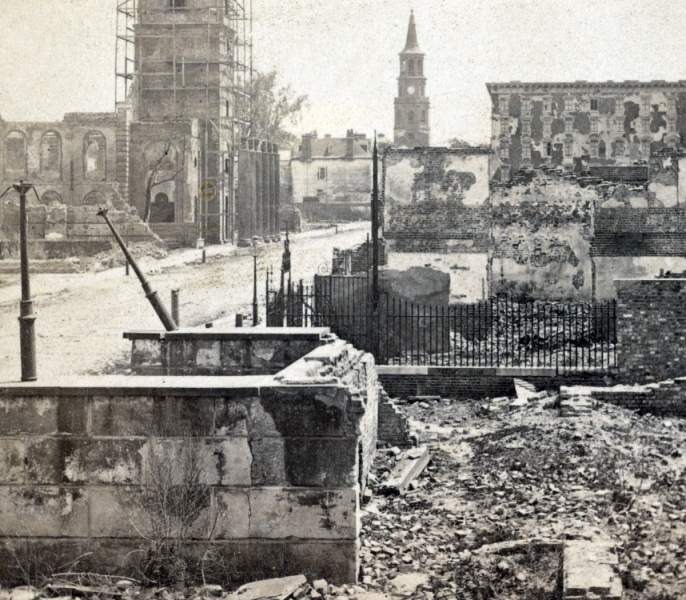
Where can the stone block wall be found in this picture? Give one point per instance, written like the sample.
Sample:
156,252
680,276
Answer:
651,329
284,459
237,351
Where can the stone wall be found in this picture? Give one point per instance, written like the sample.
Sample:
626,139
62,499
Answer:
284,459
238,351
651,329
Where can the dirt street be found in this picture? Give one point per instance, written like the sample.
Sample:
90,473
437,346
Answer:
81,317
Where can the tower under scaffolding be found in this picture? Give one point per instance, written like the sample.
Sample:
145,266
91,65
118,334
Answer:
178,60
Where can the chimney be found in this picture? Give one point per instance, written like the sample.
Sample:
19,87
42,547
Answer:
306,149
350,144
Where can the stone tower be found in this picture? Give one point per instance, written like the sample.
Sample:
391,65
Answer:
411,105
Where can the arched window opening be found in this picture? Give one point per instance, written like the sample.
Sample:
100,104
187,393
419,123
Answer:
51,154
50,197
15,152
94,198
95,156
410,66
163,210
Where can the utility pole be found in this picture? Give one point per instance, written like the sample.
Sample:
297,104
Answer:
27,318
375,250
254,282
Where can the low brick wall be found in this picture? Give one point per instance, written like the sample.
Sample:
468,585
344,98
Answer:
651,329
472,383
284,457
666,398
225,351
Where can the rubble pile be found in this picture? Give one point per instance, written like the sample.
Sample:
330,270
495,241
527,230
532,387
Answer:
522,474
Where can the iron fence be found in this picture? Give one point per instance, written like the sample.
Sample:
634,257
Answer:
496,332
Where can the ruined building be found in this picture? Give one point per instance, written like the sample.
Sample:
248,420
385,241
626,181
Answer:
603,128
176,152
411,105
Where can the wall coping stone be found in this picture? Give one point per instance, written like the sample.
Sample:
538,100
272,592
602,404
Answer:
234,333
134,385
475,371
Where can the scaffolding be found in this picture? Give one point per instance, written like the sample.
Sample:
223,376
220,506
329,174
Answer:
218,68
124,52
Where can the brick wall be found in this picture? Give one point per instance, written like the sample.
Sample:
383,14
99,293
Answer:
472,383
651,329
639,232
284,458
394,428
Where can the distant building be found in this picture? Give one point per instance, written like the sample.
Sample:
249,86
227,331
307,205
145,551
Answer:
333,171
411,105
582,124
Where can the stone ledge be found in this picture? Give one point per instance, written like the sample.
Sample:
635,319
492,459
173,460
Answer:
234,333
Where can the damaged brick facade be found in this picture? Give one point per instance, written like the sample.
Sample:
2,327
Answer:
581,124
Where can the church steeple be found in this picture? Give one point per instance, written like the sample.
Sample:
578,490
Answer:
411,105
411,44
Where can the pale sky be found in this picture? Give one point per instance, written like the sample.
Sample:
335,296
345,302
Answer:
57,56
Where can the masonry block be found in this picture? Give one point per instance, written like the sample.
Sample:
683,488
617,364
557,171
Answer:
146,416
235,355
41,511
302,411
231,416
295,513
220,462
43,415
92,461
231,513
130,512
308,462
148,355
337,562
12,461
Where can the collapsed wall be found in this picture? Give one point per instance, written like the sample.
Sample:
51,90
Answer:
283,459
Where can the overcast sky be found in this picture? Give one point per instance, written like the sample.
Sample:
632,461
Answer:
57,56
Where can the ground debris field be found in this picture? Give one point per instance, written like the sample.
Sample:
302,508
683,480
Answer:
502,472
506,487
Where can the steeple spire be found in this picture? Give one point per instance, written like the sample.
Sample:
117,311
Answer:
411,43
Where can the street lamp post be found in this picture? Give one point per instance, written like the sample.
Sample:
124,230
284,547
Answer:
27,318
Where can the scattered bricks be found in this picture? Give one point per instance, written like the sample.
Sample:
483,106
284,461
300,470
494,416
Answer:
575,402
589,570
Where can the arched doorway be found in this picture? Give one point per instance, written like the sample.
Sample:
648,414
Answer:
162,210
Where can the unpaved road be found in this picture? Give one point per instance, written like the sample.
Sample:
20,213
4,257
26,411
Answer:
81,317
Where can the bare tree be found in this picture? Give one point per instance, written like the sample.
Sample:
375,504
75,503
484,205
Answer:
155,179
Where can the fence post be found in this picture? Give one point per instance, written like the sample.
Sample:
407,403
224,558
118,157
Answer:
175,306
